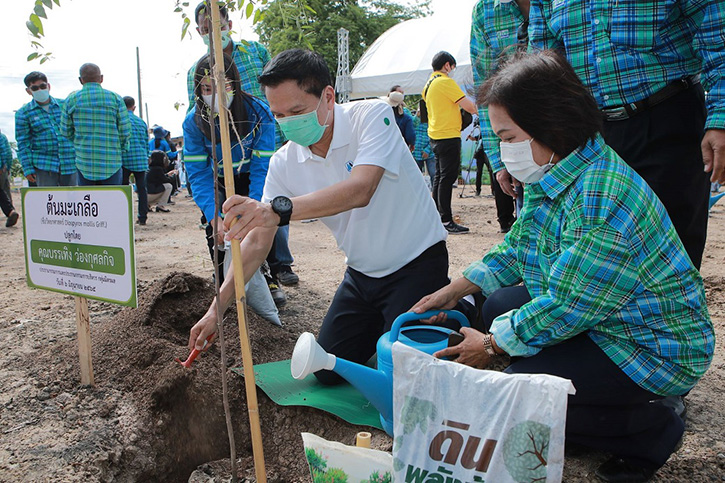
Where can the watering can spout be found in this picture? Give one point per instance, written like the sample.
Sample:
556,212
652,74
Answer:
308,357
375,385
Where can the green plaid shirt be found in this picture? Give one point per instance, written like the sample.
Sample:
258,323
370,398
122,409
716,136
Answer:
598,254
40,143
626,50
493,34
96,121
250,57
6,154
136,158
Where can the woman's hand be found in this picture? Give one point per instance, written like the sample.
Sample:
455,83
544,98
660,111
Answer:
469,352
205,327
219,231
445,298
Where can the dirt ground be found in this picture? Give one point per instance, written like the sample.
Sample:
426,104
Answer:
149,419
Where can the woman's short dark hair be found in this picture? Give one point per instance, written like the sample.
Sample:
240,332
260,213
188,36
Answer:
543,95
237,108
305,67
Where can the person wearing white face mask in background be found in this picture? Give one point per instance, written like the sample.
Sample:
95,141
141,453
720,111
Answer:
349,166
48,159
251,128
250,57
592,283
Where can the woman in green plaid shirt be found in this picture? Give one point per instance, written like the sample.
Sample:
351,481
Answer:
592,282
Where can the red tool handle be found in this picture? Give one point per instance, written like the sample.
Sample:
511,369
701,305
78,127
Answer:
194,353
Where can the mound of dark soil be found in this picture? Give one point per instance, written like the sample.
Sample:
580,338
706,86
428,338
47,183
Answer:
173,418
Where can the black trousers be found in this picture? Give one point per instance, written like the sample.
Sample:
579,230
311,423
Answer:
505,204
364,308
6,204
448,161
141,190
663,145
609,412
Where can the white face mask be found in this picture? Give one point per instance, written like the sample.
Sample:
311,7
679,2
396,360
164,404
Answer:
215,107
519,161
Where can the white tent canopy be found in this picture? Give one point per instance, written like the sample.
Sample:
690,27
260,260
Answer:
403,54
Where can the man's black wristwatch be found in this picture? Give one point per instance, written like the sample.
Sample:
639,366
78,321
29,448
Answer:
283,207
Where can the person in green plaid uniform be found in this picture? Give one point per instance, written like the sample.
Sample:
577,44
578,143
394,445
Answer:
6,201
592,283
644,61
250,57
48,158
136,159
96,121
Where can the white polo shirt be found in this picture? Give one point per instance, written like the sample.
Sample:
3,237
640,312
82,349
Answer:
401,220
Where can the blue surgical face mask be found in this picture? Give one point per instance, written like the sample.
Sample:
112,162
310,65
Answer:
226,38
41,95
304,129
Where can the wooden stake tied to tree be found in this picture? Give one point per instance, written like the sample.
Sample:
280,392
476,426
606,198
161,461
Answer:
219,82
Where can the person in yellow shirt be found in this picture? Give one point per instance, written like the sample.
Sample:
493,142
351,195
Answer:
444,100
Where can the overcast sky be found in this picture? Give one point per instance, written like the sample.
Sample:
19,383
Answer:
107,33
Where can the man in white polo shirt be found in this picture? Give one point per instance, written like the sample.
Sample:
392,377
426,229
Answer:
348,166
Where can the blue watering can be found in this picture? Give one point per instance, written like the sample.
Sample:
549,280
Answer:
375,384
714,199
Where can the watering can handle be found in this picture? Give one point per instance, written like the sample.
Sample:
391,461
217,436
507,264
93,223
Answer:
402,319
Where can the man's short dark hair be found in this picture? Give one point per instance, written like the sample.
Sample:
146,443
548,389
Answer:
307,68
129,101
440,59
543,95
223,13
34,77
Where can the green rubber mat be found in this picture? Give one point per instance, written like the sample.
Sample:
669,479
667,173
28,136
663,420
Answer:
343,400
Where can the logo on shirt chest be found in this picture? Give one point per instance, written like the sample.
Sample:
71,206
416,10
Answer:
503,34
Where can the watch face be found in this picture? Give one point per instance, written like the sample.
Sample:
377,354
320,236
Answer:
282,204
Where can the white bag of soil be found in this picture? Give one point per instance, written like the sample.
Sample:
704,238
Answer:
453,421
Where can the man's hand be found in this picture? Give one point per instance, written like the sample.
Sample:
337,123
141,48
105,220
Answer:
205,327
507,182
469,352
713,154
248,214
30,178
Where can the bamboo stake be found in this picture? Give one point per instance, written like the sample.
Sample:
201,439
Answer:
83,324
249,381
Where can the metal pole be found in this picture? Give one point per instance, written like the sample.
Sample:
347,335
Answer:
147,116
138,77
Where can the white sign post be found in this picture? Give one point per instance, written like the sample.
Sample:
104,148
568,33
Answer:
79,240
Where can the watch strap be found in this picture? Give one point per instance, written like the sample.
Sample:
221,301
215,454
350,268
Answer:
488,345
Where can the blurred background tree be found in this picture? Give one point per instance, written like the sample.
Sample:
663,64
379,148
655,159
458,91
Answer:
282,26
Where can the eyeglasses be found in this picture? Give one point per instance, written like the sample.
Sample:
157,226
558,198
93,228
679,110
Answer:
40,87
